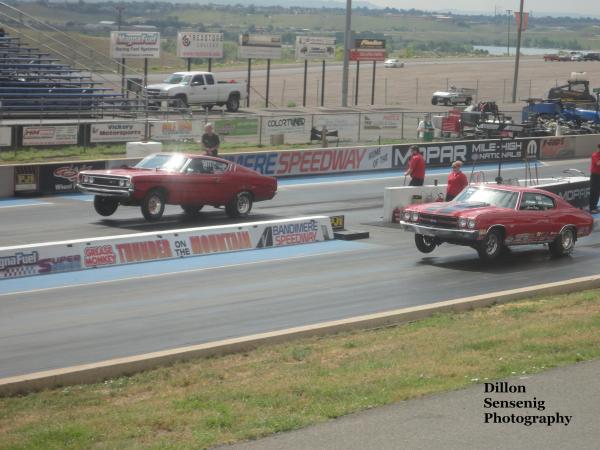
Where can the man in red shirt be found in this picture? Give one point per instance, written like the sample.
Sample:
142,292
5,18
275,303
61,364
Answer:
595,180
416,167
457,181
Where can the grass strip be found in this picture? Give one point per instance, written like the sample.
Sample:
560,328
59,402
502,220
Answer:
284,387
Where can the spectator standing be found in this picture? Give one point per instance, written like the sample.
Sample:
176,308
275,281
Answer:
425,126
595,180
210,141
416,167
457,181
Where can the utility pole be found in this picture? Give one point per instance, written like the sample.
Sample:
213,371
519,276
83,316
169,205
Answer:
508,14
120,9
346,66
519,32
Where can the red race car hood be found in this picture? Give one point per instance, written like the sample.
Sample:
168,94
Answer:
128,172
453,209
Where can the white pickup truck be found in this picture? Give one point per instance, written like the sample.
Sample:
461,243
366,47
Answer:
197,88
453,96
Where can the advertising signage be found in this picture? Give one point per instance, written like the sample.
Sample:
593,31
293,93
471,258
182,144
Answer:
369,44
368,50
134,44
263,46
314,47
191,44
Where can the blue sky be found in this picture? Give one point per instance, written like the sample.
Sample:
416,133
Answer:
537,7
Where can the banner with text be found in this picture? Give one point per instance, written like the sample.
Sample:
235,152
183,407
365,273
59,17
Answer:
315,48
134,44
262,46
174,130
116,132
192,44
5,136
62,177
49,135
288,125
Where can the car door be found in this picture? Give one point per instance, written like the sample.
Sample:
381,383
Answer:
202,185
534,220
198,89
212,91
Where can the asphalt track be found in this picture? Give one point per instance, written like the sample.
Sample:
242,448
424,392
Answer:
59,320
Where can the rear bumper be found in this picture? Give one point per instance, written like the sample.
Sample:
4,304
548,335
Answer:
443,234
124,194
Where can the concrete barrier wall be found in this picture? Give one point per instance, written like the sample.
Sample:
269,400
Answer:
400,197
67,256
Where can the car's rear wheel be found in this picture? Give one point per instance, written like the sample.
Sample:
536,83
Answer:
447,102
425,244
492,245
434,101
240,205
153,205
564,243
191,210
105,206
233,103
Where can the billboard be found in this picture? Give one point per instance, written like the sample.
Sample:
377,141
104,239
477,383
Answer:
173,130
48,135
134,44
5,136
313,47
116,132
368,50
191,44
263,46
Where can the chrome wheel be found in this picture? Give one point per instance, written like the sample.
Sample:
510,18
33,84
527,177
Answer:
155,204
564,242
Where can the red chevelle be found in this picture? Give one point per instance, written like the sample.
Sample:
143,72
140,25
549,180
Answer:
488,218
191,181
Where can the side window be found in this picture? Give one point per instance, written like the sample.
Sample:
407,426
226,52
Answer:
209,79
536,202
219,167
198,80
199,165
546,202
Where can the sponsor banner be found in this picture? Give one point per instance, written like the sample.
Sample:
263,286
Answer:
369,44
366,55
313,47
117,132
577,193
5,136
320,161
470,151
144,247
242,126
381,121
286,125
262,46
557,147
47,135
174,130
63,177
191,44
346,125
134,44
26,178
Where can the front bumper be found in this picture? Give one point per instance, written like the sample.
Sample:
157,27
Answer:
106,192
444,234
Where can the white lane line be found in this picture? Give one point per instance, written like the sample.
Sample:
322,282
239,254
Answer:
26,204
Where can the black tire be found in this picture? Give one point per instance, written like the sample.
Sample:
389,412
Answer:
564,243
492,245
153,205
105,206
447,102
182,100
240,206
233,103
208,107
468,101
434,101
191,210
425,244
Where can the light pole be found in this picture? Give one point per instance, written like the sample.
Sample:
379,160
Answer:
120,9
519,32
508,13
346,53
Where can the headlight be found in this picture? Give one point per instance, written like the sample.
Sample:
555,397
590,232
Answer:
462,222
414,216
471,223
406,215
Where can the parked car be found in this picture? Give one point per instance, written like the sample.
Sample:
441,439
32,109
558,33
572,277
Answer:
490,218
197,88
190,181
576,56
393,63
591,56
453,96
551,57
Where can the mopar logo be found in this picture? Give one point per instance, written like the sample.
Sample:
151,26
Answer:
432,154
573,194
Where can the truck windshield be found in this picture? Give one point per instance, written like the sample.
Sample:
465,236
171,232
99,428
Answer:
178,78
495,197
171,163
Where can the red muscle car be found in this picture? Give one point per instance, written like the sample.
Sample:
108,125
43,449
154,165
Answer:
191,181
490,217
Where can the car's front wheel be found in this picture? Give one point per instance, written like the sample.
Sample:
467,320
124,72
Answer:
492,245
105,206
564,243
153,205
434,101
425,244
240,205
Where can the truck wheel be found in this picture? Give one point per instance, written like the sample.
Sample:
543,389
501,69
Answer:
153,205
233,103
105,206
492,246
240,206
182,100
191,210
425,244
434,101
564,243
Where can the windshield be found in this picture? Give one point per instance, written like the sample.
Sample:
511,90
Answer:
178,78
494,197
172,163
